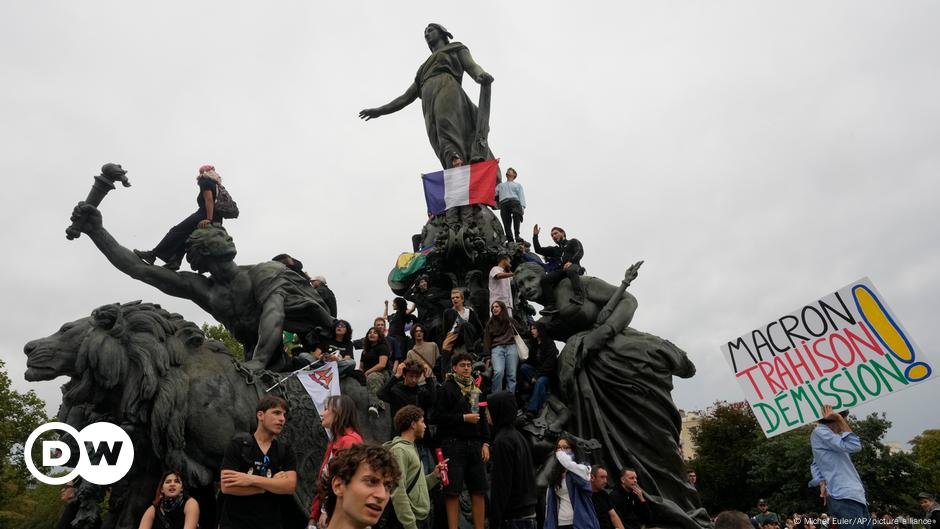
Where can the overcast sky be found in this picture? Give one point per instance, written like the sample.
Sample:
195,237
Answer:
757,155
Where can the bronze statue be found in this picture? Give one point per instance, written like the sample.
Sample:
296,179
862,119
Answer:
456,128
180,397
618,382
255,303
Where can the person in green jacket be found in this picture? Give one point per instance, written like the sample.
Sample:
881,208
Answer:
410,502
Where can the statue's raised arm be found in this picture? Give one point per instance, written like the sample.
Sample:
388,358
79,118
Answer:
452,121
86,218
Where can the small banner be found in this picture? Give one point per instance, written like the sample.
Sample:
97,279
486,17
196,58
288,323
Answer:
321,383
461,186
843,349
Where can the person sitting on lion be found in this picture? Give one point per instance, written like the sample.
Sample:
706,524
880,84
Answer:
255,303
618,382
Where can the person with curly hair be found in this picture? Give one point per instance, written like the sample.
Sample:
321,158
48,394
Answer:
359,486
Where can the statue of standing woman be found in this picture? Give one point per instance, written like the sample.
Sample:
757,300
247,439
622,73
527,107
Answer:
456,128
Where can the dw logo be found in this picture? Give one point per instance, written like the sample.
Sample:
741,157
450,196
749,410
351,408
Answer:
107,456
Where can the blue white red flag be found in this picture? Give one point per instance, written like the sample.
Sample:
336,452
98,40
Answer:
461,186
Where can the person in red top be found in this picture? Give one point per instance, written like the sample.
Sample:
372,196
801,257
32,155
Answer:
341,422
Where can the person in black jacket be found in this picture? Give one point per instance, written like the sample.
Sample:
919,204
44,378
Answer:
512,482
569,252
541,368
463,330
464,440
403,389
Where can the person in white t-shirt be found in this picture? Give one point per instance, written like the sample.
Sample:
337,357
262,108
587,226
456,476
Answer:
500,283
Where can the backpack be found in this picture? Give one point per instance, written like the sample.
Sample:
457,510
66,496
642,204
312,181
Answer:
224,203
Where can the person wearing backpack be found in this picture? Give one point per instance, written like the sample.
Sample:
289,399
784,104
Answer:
214,203
410,504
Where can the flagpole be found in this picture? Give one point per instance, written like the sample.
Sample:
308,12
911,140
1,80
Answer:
292,373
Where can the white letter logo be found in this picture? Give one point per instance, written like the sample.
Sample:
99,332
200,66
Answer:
105,453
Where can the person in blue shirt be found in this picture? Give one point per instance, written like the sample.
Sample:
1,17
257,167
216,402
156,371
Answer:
832,470
511,205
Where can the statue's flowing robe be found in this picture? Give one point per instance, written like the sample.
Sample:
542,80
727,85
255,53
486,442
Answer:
449,115
621,396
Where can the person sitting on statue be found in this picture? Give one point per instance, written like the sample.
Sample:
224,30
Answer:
541,368
255,303
606,363
463,327
511,199
335,347
172,247
449,115
374,365
569,252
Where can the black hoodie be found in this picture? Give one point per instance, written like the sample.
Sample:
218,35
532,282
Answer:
512,481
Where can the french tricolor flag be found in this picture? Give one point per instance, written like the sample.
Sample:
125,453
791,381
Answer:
461,186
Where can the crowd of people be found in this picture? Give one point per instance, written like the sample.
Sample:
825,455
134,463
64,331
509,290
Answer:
765,518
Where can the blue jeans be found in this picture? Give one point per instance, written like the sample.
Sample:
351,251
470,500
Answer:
849,514
539,390
505,361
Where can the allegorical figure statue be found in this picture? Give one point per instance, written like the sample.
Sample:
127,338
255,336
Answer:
255,303
619,382
456,128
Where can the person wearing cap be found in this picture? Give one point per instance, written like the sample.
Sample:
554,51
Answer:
172,247
569,252
319,283
931,508
764,514
840,486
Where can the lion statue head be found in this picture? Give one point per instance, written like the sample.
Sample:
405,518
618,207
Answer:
120,348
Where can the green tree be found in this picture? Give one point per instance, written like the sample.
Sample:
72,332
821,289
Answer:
780,472
220,333
926,454
892,480
726,435
20,414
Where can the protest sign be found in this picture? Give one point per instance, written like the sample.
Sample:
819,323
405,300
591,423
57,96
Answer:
843,349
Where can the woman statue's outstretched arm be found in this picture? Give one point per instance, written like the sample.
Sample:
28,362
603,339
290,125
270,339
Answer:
395,105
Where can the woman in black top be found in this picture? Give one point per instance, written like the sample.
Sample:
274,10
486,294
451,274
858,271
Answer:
397,321
171,508
339,343
173,245
374,364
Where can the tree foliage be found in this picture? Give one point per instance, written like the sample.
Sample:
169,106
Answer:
737,465
220,333
22,500
926,453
